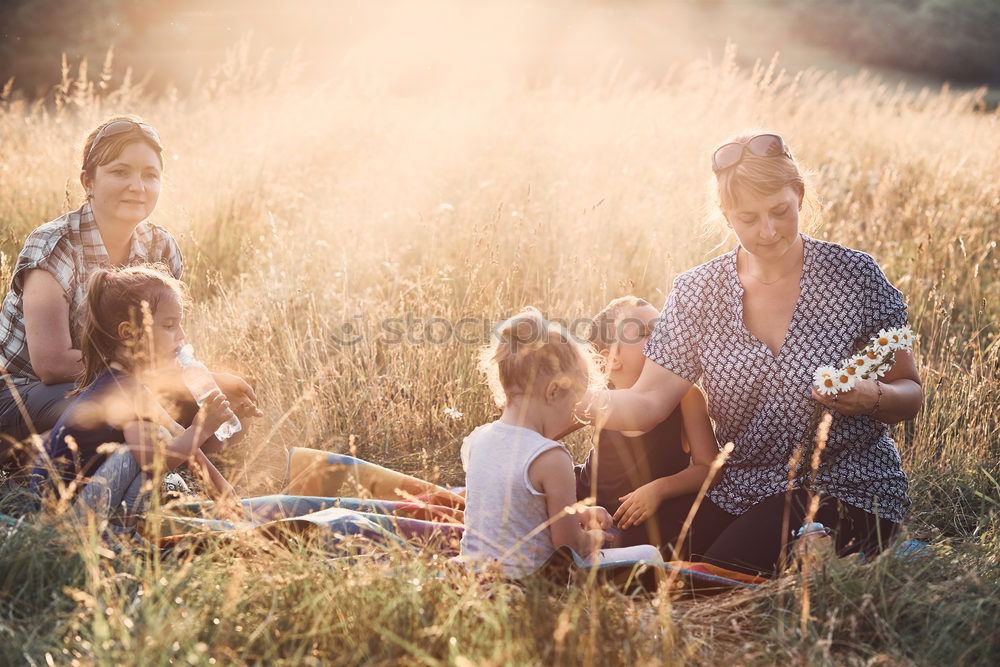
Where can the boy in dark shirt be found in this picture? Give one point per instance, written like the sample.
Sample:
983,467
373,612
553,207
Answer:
648,481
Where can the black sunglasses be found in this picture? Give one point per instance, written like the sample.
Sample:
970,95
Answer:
761,145
119,127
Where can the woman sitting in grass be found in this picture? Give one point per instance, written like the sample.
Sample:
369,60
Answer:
521,492
753,325
132,328
40,327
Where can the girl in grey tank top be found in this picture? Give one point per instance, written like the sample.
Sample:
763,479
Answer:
521,490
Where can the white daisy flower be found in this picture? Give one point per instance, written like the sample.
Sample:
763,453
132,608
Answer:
453,413
844,381
859,365
906,337
824,380
873,355
887,340
852,370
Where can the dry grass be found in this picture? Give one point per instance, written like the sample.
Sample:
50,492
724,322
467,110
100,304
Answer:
302,209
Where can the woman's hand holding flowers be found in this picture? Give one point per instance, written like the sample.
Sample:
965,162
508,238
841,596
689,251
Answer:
853,388
861,399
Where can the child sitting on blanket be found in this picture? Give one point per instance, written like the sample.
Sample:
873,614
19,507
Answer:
132,328
647,480
521,492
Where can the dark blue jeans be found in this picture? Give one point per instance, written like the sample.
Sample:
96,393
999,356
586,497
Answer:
44,404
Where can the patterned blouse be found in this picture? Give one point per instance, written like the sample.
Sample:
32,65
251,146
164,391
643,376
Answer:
70,248
760,402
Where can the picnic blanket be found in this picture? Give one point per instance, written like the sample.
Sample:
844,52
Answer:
318,473
330,519
411,525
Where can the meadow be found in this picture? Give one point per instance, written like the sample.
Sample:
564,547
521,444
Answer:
311,215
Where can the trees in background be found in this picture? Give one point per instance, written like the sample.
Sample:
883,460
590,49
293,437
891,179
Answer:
958,40
168,40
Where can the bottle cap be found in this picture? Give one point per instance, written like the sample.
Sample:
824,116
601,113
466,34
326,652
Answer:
185,355
813,528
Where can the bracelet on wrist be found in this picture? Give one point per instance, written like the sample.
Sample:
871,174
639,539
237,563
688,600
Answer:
878,399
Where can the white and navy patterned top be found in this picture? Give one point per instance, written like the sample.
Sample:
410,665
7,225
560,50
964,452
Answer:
70,248
761,402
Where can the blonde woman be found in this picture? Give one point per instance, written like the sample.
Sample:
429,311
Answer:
753,325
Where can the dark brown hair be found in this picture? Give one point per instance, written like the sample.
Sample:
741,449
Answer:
111,147
129,294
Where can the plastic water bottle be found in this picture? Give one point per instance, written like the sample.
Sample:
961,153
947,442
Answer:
200,383
814,541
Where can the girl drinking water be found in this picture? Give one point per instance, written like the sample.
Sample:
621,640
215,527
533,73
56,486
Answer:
521,490
132,329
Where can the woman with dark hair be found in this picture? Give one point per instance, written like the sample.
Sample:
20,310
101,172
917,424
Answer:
40,318
753,325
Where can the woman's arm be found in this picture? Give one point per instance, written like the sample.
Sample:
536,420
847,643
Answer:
46,327
640,504
168,382
552,474
902,394
641,407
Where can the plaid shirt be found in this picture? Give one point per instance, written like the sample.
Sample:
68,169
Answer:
70,248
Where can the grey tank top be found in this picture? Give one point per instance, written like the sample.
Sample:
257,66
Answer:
504,514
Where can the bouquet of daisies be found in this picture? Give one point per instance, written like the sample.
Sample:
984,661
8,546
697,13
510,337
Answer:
873,361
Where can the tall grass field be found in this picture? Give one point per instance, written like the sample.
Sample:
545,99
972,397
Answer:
336,234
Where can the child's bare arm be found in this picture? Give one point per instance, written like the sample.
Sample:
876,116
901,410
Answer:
145,438
594,516
640,504
698,431
552,474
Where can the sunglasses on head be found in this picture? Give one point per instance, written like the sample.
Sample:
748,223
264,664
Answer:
761,145
116,127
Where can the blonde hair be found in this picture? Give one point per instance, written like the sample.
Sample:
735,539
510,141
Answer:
528,348
757,176
605,327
